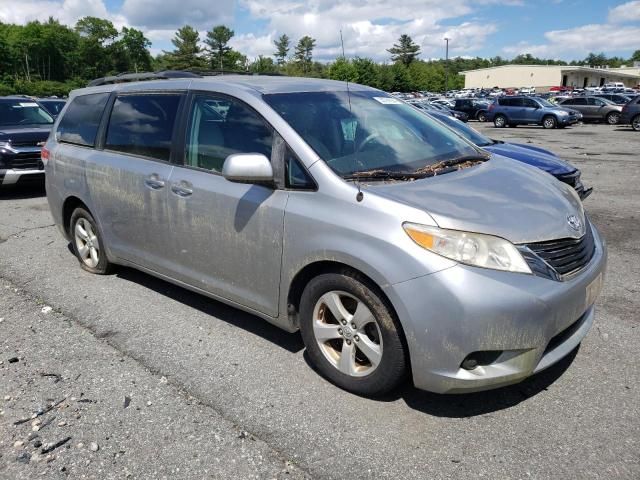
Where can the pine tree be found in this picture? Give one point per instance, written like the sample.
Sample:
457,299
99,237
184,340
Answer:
218,42
187,53
405,51
282,44
304,52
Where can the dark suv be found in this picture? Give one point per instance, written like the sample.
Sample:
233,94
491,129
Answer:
521,110
476,109
631,114
24,128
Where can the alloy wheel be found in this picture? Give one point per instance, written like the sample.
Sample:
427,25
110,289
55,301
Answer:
613,118
347,333
635,123
87,243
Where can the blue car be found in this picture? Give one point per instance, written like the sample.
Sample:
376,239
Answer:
513,111
534,156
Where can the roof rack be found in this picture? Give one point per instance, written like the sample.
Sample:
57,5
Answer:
138,77
166,74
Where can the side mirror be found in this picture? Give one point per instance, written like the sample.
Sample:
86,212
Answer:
247,168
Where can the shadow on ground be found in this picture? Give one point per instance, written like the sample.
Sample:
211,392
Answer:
17,192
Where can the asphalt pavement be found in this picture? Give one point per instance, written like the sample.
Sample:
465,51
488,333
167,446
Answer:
217,393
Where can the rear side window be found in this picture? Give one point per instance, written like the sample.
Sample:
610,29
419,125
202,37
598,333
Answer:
143,125
79,125
507,102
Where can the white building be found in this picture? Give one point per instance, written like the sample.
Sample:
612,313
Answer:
543,77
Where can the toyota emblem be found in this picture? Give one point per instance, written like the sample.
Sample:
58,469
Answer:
574,222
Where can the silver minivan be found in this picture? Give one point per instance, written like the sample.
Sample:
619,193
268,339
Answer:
396,247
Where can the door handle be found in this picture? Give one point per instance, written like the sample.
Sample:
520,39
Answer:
182,189
154,182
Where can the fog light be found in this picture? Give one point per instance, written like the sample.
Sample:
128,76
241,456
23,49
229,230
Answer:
484,358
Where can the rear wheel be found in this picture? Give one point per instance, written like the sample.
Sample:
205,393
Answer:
351,335
87,243
635,123
481,116
613,118
549,122
500,121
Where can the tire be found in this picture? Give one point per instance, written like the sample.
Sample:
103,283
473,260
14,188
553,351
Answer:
635,123
500,121
613,118
87,243
370,359
481,116
549,122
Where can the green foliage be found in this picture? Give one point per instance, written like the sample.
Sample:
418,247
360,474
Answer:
283,43
405,51
221,55
304,53
187,53
48,58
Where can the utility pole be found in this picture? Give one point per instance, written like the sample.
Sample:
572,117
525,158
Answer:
446,67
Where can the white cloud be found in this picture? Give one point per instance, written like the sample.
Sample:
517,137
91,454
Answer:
369,27
172,14
581,40
626,12
67,11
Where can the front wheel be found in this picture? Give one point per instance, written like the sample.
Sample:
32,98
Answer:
500,121
351,335
482,116
549,122
613,118
87,243
635,123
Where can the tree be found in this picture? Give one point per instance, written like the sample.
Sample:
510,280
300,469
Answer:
187,53
366,71
96,47
282,49
262,65
218,41
405,51
636,56
342,69
304,52
136,49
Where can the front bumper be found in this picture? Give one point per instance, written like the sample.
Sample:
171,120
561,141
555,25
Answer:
14,176
534,322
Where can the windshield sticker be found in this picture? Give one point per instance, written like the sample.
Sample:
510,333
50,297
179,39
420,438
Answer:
28,104
388,100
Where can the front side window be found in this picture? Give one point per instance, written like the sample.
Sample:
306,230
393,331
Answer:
368,130
80,123
142,124
219,127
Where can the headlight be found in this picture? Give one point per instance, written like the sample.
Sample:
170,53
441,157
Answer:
475,249
562,113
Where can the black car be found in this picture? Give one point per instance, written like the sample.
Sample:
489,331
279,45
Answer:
52,105
631,114
24,128
474,108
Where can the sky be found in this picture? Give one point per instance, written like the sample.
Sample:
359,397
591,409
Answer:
559,29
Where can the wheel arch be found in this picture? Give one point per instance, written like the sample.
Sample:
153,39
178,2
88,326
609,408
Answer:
70,204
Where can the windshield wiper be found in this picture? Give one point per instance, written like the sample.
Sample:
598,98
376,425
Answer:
380,174
446,166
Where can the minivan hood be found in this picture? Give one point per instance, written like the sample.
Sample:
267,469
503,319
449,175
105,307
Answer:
537,157
499,197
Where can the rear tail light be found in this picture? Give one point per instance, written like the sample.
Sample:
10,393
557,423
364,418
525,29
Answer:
491,106
44,155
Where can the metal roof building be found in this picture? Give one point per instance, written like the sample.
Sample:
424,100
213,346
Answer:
543,77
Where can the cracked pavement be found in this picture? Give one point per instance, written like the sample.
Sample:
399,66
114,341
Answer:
131,335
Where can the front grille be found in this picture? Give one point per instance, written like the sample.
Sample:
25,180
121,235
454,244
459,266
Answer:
565,256
28,143
26,160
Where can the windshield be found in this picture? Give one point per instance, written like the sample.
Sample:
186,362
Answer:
545,103
23,112
368,131
465,130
